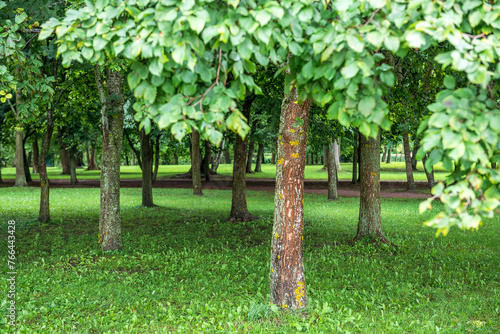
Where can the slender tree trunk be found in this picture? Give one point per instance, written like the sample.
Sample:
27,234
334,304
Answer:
110,236
251,147
416,146
147,169
176,158
227,156
92,160
239,209
20,175
206,160
136,152
273,155
410,185
370,219
260,155
157,158
493,165
218,156
389,153
324,158
384,155
63,151
26,164
430,174
87,152
72,167
196,163
355,158
288,289
336,146
332,173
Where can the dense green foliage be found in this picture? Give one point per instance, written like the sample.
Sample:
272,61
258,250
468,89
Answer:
183,268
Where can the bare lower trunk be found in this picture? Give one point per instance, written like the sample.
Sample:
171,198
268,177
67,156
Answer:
196,163
92,159
206,160
336,146
63,151
370,218
147,169
36,156
218,156
239,209
26,164
324,158
176,158
355,158
227,156
44,214
288,289
416,146
136,151
384,155
72,166
110,236
332,173
20,175
157,158
430,174
251,147
410,183
260,156
389,153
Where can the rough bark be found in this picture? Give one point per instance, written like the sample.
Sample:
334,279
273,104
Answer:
288,288
72,166
239,209
260,156
430,174
218,156
196,163
26,164
251,148
227,156
63,152
112,101
206,160
324,157
92,161
136,151
20,175
384,155
176,158
416,146
355,158
157,158
389,153
332,173
147,169
410,182
370,219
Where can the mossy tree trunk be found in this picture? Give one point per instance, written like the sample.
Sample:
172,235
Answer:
260,156
196,163
410,182
370,218
288,288
332,173
112,101
239,209
147,168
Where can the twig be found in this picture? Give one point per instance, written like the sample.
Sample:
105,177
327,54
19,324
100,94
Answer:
28,42
55,4
474,36
216,83
371,17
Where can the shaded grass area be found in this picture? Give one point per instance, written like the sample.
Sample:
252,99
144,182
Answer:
185,269
392,171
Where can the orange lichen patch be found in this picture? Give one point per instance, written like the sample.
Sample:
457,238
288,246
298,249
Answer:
374,174
280,161
299,292
292,130
294,142
295,155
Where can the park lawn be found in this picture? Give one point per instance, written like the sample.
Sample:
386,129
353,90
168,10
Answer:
392,171
185,269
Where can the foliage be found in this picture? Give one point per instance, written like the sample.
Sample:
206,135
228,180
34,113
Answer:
185,269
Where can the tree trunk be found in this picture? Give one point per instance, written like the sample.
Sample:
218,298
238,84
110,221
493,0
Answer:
370,219
63,151
196,163
389,153
384,155
26,164
227,156
355,158
72,166
430,174
260,155
218,156
416,146
410,183
147,169
20,174
336,146
92,161
324,158
239,209
136,152
110,236
157,158
332,173
288,288
251,147
176,158
206,160
493,165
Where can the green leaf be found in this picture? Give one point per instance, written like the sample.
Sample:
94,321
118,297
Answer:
308,70
355,43
376,38
179,53
20,18
196,23
350,71
262,17
295,48
475,17
449,82
45,33
245,49
364,128
366,105
87,53
392,43
306,14
415,39
387,78
99,43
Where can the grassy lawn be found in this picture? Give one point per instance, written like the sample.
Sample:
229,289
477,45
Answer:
185,269
392,171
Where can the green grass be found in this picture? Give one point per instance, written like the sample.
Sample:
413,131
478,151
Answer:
392,171
185,269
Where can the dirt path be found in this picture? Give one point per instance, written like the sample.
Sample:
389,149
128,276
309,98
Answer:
392,189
